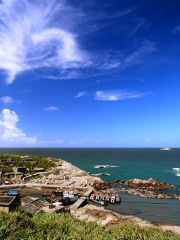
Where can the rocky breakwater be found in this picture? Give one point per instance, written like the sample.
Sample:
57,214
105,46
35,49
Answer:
150,188
148,184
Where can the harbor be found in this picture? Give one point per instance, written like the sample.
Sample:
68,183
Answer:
66,188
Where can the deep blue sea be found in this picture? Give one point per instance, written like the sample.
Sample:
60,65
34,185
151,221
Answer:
127,163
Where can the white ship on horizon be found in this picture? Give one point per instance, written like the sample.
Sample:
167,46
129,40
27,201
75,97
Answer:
166,149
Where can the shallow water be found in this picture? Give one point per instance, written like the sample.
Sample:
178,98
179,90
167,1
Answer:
153,210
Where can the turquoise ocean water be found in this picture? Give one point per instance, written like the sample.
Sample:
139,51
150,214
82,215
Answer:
128,163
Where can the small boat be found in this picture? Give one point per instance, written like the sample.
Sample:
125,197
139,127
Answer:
12,193
118,198
107,198
178,174
113,199
91,197
57,203
99,202
47,194
102,203
58,193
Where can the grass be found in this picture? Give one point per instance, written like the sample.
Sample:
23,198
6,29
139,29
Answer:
20,225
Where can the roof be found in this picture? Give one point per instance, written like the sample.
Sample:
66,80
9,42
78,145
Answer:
14,173
19,167
13,191
6,200
26,200
34,206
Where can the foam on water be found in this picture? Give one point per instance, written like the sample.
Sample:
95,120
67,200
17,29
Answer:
105,166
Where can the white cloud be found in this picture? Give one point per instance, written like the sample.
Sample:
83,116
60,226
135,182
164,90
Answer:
176,30
9,133
50,143
30,37
7,99
36,34
148,140
81,94
50,109
136,56
111,64
117,95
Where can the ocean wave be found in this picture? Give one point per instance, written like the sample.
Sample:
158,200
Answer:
177,169
101,174
105,166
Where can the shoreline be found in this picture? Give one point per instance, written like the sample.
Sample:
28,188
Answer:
71,176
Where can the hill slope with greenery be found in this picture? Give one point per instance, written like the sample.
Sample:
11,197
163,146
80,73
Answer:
26,226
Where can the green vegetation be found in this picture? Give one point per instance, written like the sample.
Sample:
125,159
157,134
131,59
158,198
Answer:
7,169
30,162
22,225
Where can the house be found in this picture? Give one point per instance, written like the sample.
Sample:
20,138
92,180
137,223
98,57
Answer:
20,169
8,203
31,204
17,176
38,169
8,163
29,160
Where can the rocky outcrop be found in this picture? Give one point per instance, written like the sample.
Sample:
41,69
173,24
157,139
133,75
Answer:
118,182
150,183
100,185
144,193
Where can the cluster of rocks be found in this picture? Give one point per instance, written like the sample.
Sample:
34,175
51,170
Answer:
147,193
150,183
100,185
143,188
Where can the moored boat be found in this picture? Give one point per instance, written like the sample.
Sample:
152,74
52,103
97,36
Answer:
113,199
105,198
118,198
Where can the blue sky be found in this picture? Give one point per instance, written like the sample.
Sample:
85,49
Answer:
89,73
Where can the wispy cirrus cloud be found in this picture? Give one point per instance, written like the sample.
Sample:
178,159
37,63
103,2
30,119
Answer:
30,37
9,133
117,95
99,15
48,34
51,109
81,94
50,143
136,56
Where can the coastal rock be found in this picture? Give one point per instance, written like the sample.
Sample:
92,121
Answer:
100,185
118,182
150,193
150,183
